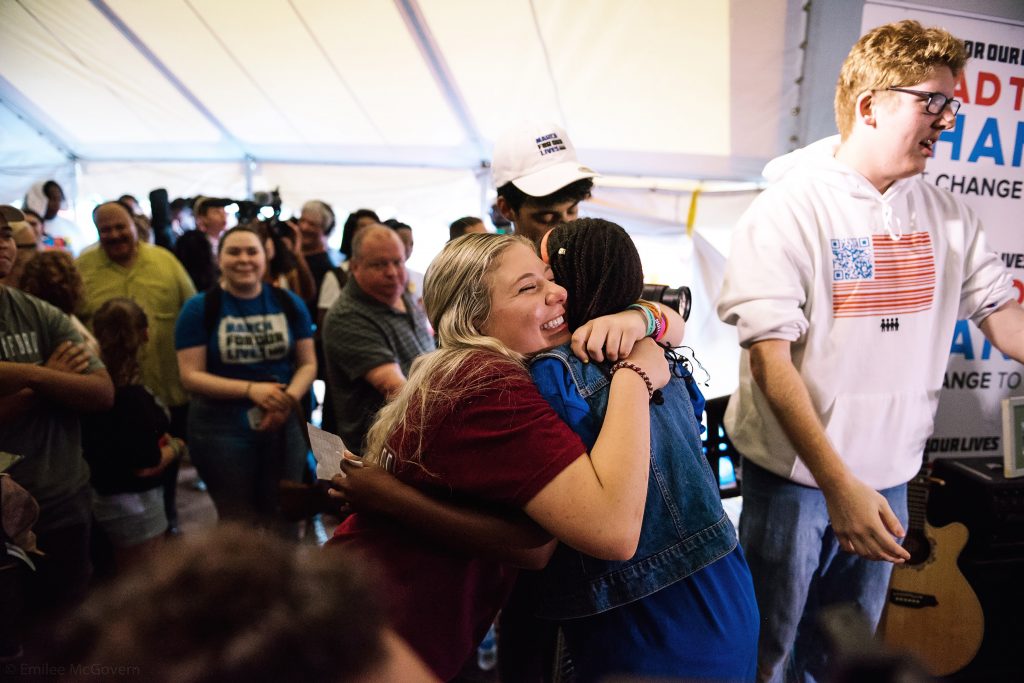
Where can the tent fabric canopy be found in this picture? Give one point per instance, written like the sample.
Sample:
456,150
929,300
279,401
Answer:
395,104
678,88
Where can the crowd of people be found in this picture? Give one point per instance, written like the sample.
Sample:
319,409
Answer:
523,444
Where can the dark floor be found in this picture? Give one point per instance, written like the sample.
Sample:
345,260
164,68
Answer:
197,513
195,509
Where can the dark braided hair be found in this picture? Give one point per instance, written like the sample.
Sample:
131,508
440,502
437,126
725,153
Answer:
599,266
120,328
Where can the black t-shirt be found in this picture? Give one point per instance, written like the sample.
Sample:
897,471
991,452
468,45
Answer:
318,264
124,439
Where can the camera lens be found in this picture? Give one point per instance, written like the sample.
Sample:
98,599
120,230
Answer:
676,297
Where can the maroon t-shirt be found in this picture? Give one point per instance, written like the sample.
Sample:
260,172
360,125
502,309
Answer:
500,446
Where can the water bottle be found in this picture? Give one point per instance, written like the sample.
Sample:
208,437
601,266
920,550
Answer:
487,651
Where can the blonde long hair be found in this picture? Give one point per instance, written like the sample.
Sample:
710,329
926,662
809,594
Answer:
457,296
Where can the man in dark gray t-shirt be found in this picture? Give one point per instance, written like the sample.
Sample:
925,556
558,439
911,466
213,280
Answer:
372,334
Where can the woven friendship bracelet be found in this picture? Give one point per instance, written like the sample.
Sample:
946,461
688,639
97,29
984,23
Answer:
638,370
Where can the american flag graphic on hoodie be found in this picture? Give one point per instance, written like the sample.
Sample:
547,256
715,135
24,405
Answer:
878,275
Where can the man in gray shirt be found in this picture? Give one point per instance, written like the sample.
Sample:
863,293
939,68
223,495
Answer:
372,334
47,378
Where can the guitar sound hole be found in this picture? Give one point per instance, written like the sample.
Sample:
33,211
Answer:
918,546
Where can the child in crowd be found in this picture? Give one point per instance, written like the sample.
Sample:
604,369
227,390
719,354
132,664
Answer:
128,446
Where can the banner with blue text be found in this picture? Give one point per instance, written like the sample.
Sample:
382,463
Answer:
979,162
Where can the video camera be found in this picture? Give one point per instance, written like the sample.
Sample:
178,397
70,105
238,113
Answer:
250,210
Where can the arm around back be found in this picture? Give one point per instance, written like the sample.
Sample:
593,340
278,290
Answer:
596,504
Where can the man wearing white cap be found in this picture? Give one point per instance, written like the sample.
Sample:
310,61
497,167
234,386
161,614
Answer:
540,181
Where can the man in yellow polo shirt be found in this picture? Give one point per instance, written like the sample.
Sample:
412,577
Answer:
151,276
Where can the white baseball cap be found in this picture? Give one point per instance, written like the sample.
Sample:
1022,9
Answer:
538,158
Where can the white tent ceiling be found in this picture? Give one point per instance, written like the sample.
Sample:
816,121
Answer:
679,88
394,104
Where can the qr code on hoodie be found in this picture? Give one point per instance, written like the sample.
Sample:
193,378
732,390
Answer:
851,259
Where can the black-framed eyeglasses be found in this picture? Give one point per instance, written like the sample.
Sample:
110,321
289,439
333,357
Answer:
935,103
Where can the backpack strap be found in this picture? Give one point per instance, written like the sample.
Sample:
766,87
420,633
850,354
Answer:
286,303
211,308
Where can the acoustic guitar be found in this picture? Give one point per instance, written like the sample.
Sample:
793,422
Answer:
931,611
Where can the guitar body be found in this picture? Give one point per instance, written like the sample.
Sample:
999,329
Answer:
931,611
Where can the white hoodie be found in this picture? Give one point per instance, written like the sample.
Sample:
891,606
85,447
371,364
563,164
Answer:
868,288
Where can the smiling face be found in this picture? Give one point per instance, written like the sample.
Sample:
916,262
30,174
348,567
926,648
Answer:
118,236
242,261
527,307
902,134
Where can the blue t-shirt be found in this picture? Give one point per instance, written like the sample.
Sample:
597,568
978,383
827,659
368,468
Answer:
252,339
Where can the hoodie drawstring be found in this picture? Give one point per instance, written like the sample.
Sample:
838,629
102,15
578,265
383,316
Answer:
891,220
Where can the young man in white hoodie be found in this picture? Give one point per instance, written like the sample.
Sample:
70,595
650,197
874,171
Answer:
845,280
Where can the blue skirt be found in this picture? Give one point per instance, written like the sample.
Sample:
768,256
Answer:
703,627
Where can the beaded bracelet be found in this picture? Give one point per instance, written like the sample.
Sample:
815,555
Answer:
638,370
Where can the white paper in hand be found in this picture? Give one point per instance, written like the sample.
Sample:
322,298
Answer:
327,449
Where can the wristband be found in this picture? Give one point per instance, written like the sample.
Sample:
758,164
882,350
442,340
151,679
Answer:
638,370
664,328
648,315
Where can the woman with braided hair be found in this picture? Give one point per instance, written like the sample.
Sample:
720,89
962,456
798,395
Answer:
683,606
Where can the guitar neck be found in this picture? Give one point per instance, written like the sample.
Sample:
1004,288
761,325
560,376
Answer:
917,503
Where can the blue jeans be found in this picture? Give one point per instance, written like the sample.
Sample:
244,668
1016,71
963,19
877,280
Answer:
242,467
799,569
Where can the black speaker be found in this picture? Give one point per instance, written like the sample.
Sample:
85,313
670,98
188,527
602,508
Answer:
976,493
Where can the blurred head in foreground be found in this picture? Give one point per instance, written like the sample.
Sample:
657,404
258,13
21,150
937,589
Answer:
235,605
